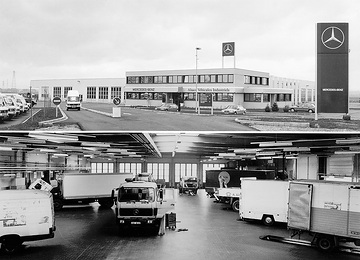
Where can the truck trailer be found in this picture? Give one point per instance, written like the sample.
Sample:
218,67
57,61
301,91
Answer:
142,203
25,215
77,187
328,210
264,200
225,184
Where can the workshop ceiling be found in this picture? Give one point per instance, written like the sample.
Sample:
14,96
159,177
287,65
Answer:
107,145
204,145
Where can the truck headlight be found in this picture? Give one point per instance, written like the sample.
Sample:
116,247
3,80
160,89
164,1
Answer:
121,221
150,221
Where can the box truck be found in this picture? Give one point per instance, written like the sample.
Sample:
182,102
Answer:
264,200
328,210
25,215
75,187
73,100
225,184
141,202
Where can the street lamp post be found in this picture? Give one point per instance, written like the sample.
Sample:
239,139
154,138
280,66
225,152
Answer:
196,82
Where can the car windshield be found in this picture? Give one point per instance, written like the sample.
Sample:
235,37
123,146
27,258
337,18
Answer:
9,101
73,98
191,180
231,107
136,194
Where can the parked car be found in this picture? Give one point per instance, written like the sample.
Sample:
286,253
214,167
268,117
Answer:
3,109
10,103
234,109
167,107
304,107
188,185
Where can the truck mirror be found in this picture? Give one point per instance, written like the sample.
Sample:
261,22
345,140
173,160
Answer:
112,194
161,194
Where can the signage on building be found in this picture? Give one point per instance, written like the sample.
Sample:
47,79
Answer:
228,49
332,67
205,100
208,89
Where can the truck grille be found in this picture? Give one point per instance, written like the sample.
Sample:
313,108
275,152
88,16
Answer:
137,212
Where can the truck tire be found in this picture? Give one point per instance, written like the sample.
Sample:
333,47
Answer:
235,205
268,220
58,204
10,244
325,243
106,203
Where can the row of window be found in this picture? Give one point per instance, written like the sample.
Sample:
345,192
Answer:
57,91
144,95
174,79
256,97
91,92
158,170
220,97
256,80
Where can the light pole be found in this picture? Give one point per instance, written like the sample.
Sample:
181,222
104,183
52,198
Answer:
196,81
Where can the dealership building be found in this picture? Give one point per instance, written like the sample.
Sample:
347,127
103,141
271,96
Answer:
225,86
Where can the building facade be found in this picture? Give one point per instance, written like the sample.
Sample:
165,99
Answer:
252,89
100,90
224,86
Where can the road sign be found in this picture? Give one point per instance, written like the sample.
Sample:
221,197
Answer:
56,101
117,101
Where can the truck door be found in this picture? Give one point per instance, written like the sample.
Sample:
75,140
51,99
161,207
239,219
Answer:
354,211
168,201
300,195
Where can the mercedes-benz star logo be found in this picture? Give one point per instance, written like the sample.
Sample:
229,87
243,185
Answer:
136,212
332,37
228,48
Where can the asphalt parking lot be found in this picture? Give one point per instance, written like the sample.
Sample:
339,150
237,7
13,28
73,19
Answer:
205,230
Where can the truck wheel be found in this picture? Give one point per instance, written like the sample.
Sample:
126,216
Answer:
58,204
9,245
106,203
325,243
268,220
235,205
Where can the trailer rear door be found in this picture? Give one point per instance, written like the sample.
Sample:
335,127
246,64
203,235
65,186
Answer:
300,195
354,211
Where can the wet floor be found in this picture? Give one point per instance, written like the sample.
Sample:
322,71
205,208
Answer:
205,230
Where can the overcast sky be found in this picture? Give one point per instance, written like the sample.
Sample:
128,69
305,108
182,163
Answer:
62,39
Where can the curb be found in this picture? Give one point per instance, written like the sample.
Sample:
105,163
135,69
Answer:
56,120
253,122
97,111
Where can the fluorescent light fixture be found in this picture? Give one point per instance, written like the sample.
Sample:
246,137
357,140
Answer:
61,155
347,152
275,144
5,148
296,149
348,141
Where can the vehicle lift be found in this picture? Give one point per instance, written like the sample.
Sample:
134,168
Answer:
302,242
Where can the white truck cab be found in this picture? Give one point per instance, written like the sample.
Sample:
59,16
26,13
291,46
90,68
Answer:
73,100
141,203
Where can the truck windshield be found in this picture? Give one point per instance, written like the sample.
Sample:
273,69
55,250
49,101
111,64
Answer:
73,98
136,194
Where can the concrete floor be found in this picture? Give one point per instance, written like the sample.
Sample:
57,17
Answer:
213,232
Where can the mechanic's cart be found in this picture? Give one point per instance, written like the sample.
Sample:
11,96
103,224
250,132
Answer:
170,220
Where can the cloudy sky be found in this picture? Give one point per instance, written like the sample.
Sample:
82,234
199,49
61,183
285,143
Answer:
62,39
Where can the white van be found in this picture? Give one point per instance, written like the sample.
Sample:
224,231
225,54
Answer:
25,215
73,100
